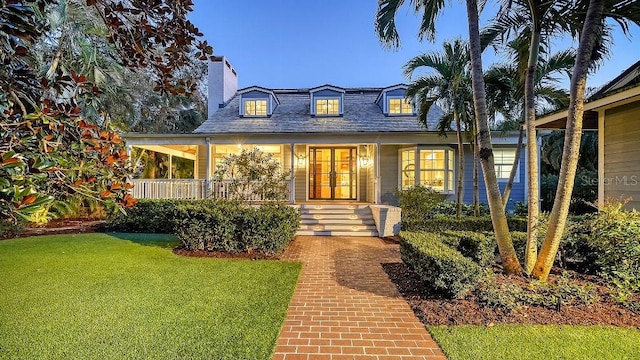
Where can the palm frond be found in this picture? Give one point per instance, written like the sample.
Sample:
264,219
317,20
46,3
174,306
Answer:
385,23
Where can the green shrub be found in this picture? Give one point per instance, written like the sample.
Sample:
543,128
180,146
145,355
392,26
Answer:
476,246
449,208
444,269
201,226
477,224
213,224
614,234
147,216
564,291
269,228
231,227
417,202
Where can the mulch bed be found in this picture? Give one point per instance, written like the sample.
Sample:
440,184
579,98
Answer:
434,310
62,226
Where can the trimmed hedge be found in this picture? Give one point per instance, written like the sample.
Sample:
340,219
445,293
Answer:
469,223
214,225
148,216
443,268
476,246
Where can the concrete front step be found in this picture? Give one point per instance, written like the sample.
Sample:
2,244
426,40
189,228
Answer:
336,233
363,217
338,221
333,206
338,227
336,211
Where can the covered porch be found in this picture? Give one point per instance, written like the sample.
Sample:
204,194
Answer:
318,172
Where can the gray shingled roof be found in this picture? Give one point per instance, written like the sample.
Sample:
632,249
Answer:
361,114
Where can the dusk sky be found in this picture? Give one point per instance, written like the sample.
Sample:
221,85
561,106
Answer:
294,43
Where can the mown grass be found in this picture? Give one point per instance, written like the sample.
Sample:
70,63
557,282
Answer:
537,342
126,296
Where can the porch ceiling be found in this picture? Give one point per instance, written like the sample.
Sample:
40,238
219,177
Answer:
183,151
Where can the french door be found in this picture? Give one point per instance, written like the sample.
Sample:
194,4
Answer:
332,173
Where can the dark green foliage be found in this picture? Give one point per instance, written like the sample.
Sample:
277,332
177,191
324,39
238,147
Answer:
585,192
201,226
520,209
564,291
147,216
585,189
235,228
614,234
444,269
448,208
417,202
519,239
268,228
478,224
476,246
214,225
10,228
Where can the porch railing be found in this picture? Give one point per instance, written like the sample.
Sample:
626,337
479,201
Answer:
193,189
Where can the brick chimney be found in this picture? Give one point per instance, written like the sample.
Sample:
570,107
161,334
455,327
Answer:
223,83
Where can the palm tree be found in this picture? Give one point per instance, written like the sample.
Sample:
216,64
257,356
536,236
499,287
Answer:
505,89
445,86
386,29
590,49
532,21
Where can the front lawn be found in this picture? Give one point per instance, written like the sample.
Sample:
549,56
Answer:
537,342
115,296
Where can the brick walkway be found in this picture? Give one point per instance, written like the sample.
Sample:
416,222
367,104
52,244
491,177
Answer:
345,306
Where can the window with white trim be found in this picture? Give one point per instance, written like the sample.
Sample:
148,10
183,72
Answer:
328,106
400,106
503,160
407,168
432,167
256,107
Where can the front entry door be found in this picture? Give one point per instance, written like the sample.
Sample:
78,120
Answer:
332,173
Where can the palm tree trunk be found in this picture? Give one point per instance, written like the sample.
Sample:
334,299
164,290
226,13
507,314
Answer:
558,217
498,217
514,170
476,186
460,165
533,209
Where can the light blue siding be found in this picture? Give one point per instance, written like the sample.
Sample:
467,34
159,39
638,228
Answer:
328,93
396,92
518,191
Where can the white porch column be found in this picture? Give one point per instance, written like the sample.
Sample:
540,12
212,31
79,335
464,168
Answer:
292,185
376,163
170,172
601,159
207,178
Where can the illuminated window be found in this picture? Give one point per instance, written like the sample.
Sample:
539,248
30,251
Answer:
434,168
328,106
408,168
255,108
398,106
503,159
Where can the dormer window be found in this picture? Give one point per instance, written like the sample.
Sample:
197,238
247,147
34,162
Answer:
400,106
327,100
393,102
255,107
257,101
328,106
